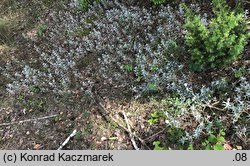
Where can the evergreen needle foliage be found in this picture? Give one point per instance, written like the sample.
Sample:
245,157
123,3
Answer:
220,42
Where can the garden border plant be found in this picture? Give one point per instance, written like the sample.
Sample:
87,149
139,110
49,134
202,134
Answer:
220,41
67,75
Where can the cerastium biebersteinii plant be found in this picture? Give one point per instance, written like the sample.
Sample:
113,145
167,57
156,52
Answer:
109,35
110,41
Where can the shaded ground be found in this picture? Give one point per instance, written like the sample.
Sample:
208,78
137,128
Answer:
94,131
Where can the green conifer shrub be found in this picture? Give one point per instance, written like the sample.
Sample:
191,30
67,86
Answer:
219,42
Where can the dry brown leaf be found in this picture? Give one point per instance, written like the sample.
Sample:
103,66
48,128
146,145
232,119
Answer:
228,147
37,146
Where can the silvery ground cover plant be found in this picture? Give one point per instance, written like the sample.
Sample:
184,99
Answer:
124,74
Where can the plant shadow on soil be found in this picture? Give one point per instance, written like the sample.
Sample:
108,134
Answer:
73,112
93,132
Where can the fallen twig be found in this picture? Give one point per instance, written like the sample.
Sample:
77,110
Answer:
109,118
154,135
130,132
124,128
28,120
67,140
214,107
